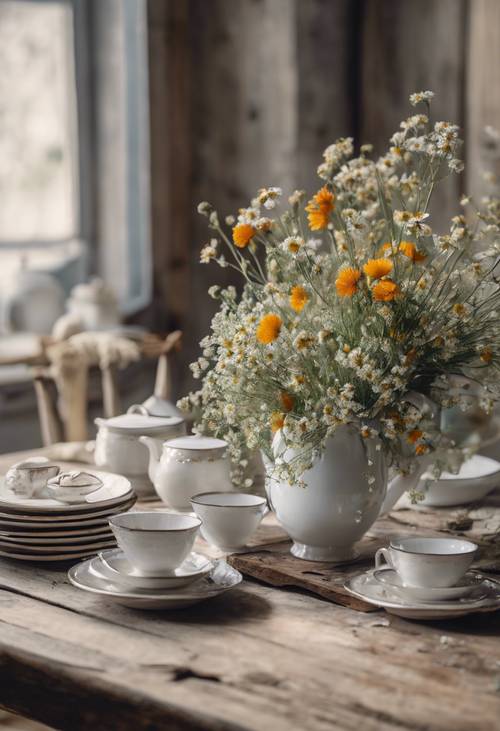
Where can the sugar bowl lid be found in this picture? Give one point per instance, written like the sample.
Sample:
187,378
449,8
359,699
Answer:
139,423
197,443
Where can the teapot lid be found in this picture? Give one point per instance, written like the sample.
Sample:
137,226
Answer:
196,442
140,423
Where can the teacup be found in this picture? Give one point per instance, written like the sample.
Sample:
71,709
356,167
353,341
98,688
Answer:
29,478
229,519
428,562
155,543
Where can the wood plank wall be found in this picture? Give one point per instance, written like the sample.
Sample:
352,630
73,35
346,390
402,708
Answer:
246,93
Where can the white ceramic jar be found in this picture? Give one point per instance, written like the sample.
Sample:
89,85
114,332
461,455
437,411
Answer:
118,448
186,466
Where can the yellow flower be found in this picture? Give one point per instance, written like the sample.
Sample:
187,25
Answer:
243,234
347,282
409,249
298,298
277,421
385,290
269,328
287,400
377,268
320,208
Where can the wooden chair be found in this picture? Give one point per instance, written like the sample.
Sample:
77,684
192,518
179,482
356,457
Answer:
61,384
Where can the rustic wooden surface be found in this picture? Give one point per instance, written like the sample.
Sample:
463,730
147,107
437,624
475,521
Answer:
273,564
257,658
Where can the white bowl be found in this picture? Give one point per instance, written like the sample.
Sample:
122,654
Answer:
155,543
476,478
229,519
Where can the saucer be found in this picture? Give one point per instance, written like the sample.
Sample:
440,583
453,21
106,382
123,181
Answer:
222,578
113,565
391,578
366,587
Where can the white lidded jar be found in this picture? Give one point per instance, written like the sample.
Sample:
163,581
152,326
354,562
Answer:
186,466
118,447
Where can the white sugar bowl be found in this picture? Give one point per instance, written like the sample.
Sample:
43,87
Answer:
118,448
183,467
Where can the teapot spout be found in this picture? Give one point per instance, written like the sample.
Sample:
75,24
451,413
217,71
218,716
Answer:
155,450
402,483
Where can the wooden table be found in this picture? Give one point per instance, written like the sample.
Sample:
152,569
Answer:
257,658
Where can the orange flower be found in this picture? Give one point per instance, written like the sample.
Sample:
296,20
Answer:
243,234
320,208
298,298
377,268
347,282
421,449
486,355
385,290
269,328
409,249
277,421
414,436
287,400
387,246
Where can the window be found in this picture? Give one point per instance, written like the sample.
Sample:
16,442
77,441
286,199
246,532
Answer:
38,161
74,182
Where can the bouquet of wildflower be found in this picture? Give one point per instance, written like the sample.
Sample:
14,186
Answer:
350,302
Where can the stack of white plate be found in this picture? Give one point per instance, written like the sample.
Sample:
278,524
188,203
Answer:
44,529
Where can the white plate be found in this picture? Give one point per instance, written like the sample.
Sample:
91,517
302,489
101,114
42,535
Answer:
222,578
114,566
56,540
15,518
366,587
37,557
114,490
476,478
91,545
15,526
391,578
18,534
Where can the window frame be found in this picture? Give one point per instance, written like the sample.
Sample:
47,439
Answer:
135,288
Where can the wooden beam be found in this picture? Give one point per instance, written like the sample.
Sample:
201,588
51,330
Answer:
409,46
483,96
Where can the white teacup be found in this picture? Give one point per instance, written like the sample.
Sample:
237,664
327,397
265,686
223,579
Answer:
428,562
155,543
29,478
229,519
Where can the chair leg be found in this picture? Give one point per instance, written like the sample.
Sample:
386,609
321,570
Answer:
110,394
50,423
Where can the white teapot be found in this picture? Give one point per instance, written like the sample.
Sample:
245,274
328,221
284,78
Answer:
119,449
186,466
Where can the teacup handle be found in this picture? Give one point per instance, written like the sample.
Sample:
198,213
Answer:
383,559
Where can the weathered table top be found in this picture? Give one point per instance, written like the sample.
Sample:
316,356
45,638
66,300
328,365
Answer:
257,658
